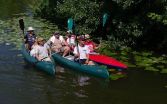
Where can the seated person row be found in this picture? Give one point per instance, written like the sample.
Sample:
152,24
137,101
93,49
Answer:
87,47
42,52
93,46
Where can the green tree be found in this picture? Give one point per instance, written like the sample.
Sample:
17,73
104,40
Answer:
84,12
134,23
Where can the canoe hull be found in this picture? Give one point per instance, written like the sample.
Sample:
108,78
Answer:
47,67
89,69
108,61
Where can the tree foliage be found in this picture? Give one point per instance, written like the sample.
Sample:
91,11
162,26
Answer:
138,23
84,12
135,23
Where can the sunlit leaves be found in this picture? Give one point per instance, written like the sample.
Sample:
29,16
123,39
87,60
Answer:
162,16
155,17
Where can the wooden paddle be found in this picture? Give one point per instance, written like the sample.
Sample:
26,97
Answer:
21,24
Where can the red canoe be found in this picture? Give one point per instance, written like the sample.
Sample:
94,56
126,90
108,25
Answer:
109,61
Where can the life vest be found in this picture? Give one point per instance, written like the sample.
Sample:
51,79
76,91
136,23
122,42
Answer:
30,39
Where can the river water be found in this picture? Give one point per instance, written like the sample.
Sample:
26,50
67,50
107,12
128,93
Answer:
23,84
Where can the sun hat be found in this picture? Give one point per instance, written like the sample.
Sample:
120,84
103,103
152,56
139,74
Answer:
39,39
30,29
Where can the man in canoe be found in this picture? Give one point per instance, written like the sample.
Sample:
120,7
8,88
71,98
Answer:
58,44
82,52
43,52
29,38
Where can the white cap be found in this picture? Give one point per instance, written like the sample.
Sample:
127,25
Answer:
30,29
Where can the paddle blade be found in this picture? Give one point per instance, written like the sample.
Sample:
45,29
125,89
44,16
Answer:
105,17
70,24
21,24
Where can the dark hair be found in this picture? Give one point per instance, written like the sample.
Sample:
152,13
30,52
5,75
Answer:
56,33
82,38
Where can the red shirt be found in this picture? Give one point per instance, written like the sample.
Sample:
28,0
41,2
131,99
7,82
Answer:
90,45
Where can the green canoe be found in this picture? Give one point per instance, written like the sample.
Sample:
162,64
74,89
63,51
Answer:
47,67
94,70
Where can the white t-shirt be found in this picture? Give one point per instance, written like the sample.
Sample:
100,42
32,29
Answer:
82,50
52,39
42,51
33,50
71,40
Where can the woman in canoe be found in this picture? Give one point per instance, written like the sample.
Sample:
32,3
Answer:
43,52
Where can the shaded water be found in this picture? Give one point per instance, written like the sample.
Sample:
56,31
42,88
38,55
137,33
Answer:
22,84
10,8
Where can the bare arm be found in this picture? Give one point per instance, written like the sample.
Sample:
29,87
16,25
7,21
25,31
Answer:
87,60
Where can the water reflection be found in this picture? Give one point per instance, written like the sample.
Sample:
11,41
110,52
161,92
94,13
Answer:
83,80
